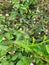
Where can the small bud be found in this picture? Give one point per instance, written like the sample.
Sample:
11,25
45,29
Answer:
20,28
34,61
27,0
34,22
10,1
37,10
31,64
47,31
14,25
34,19
0,14
39,33
27,29
31,56
0,63
7,15
13,51
0,31
3,38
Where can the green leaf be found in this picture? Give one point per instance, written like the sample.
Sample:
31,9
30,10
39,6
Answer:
33,40
11,63
47,48
9,36
1,37
12,16
2,18
5,62
24,61
15,57
20,44
44,37
20,63
2,47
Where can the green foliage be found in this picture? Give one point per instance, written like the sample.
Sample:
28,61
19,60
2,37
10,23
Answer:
24,32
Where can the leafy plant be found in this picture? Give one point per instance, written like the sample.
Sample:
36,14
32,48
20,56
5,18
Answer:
24,32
